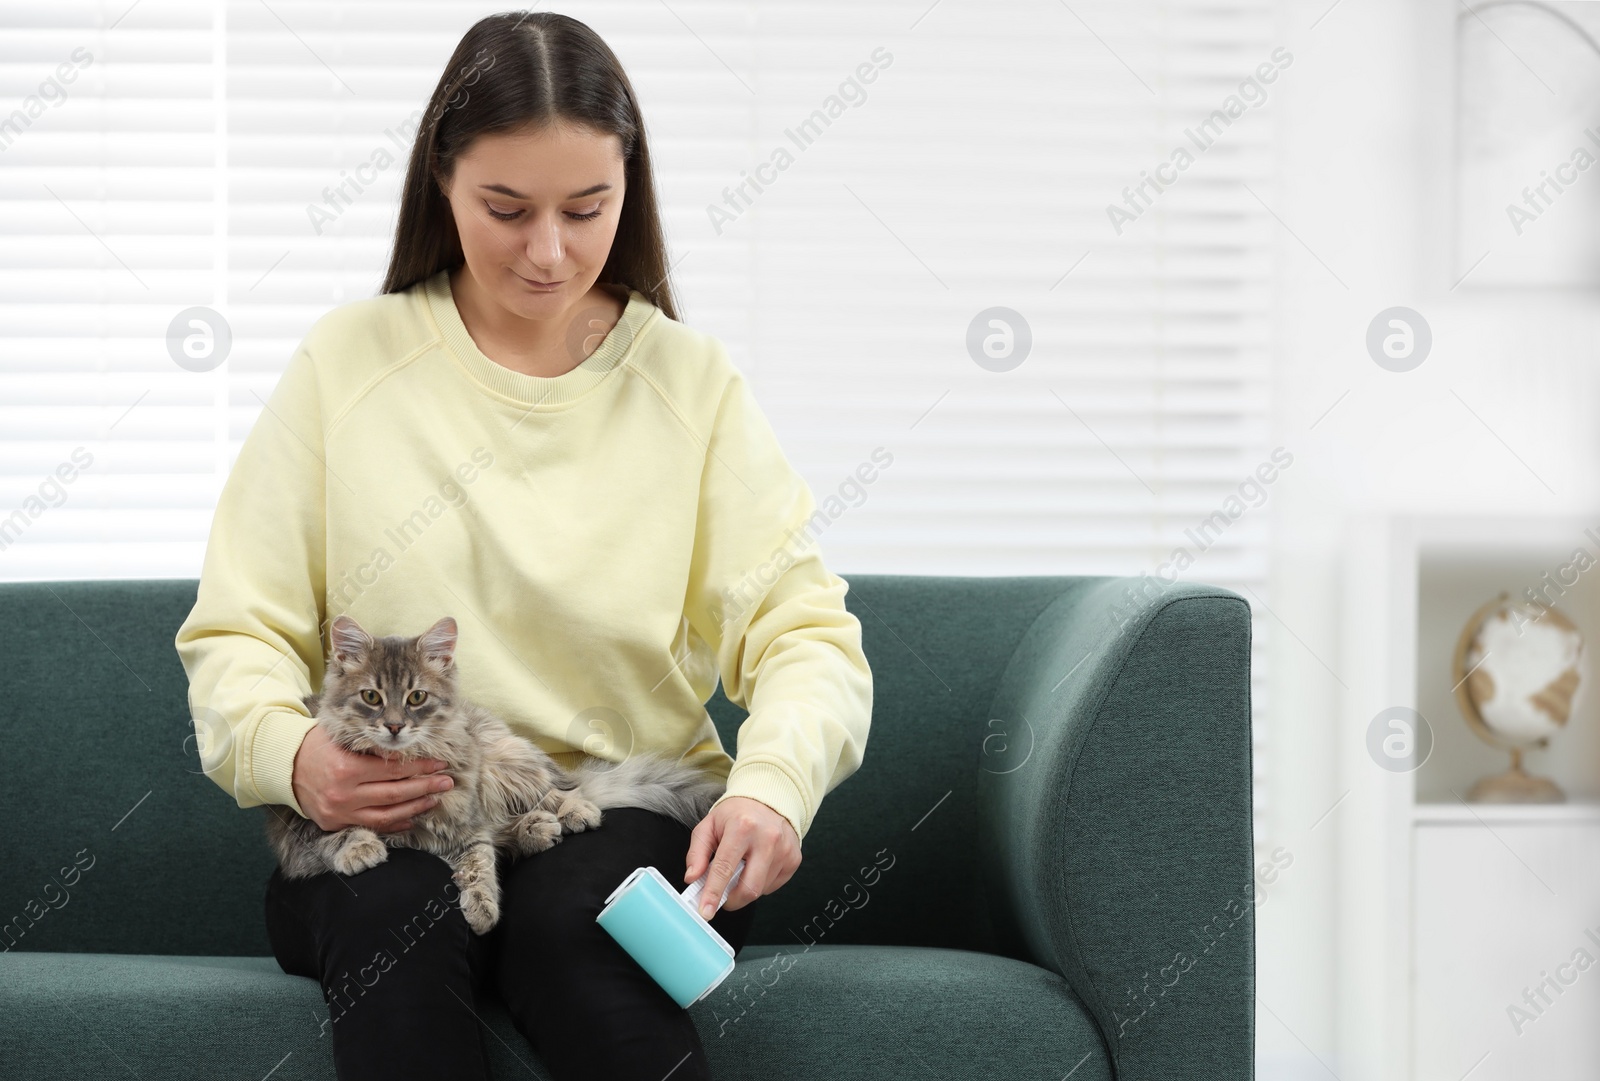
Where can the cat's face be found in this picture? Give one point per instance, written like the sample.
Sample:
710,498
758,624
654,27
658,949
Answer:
382,694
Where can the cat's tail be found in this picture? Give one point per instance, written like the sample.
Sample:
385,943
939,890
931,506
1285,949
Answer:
651,781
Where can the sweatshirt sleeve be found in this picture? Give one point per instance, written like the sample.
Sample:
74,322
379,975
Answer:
787,649
253,640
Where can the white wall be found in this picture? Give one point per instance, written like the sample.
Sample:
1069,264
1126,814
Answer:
1367,141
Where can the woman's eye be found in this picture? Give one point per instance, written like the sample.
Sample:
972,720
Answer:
416,698
513,215
371,697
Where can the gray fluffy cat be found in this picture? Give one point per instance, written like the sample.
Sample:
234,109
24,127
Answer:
398,695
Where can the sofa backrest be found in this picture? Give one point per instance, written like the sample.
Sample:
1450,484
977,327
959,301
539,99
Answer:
115,841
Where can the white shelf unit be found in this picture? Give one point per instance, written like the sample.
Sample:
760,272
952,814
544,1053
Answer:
1445,814
1447,913
1502,903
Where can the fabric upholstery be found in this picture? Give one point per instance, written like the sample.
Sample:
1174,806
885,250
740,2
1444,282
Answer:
1054,801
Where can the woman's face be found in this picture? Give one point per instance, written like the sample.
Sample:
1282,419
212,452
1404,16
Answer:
537,206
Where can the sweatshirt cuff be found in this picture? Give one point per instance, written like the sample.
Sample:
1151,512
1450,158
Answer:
769,784
277,740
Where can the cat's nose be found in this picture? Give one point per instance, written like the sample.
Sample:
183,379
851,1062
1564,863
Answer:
394,729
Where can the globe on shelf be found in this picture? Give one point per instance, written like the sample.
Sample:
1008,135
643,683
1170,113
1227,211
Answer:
1517,669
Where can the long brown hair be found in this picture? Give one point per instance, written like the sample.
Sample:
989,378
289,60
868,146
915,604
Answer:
514,70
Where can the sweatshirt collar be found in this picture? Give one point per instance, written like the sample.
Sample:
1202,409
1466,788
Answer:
535,391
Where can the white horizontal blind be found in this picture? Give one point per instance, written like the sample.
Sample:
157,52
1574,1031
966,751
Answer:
110,138
976,173
839,234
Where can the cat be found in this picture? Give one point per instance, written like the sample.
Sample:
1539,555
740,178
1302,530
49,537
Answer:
398,695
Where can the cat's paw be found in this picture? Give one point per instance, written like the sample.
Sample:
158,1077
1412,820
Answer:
480,888
481,908
535,832
578,814
360,852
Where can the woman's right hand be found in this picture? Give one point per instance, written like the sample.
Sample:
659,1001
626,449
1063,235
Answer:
339,788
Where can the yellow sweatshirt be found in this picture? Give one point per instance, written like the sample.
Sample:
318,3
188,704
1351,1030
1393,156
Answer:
610,541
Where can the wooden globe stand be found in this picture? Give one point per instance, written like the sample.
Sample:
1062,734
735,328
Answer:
1515,785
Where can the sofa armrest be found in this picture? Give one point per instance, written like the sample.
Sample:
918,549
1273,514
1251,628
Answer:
1114,801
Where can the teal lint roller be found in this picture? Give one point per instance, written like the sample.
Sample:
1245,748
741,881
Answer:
663,930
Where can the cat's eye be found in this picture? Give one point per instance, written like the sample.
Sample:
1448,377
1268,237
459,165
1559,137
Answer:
416,698
371,697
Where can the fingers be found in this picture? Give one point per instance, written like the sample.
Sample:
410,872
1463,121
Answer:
723,864
396,817
753,879
389,805
766,864
756,834
337,788
394,768
384,793
706,853
702,842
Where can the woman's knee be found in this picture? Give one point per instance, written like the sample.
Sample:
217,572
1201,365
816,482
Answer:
397,928
398,887
408,898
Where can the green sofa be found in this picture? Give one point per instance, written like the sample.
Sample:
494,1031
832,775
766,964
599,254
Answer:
1042,870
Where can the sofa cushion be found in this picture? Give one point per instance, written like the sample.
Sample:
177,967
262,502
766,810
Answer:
886,1013
825,1012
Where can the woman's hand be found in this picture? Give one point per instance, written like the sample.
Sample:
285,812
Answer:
742,828
338,788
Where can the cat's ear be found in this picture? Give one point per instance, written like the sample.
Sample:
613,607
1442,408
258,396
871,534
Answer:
350,642
438,643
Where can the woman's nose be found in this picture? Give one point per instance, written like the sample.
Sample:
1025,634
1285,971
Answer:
544,247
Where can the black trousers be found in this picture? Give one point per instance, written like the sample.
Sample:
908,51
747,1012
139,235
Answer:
401,972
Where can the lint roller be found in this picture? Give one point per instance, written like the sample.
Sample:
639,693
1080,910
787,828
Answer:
663,930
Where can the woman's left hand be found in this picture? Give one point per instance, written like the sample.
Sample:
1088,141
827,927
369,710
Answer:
741,828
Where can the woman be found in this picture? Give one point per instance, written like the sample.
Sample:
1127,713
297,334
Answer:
519,433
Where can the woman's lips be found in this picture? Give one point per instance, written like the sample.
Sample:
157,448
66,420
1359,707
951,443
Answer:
538,286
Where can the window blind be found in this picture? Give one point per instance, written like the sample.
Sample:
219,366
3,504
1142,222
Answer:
850,192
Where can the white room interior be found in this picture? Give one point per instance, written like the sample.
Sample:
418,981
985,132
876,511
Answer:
1171,353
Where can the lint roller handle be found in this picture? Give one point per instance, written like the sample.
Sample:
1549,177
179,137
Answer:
692,894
